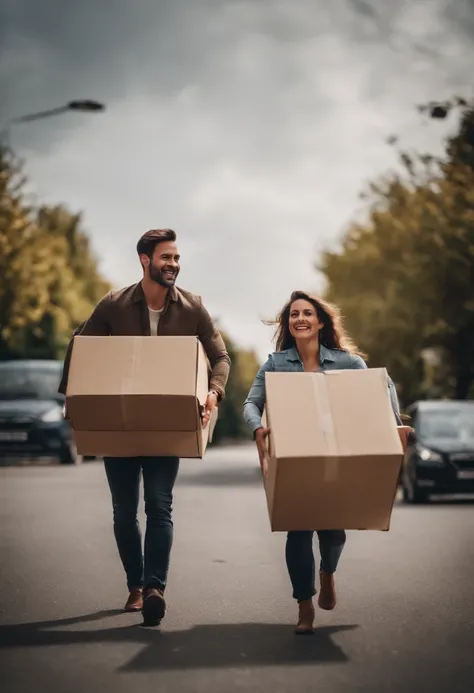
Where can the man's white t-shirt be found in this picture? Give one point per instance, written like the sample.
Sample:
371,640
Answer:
154,320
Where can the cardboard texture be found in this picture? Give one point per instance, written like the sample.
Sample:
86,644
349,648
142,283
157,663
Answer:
334,450
139,396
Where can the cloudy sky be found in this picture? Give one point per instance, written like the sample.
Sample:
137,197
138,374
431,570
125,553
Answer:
249,126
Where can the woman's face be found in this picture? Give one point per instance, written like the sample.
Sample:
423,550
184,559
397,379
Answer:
304,322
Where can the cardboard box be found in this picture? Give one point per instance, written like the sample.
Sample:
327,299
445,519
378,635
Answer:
138,396
334,450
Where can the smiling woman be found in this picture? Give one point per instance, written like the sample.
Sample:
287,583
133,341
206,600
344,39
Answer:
310,317
310,337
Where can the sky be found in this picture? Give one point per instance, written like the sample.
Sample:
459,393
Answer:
249,127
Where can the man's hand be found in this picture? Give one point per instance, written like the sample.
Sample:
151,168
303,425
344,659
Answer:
211,403
404,432
261,435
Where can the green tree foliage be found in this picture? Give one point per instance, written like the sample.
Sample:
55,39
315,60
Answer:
231,424
404,278
49,278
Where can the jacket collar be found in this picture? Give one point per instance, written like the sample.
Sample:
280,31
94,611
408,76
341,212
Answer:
138,295
325,354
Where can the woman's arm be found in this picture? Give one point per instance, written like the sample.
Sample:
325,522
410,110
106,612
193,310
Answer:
255,402
253,410
358,362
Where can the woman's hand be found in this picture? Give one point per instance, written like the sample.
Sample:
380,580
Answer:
404,432
261,435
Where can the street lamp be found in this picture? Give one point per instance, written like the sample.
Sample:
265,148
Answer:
79,105
84,106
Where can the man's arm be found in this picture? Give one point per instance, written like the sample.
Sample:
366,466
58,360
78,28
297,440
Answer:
216,352
96,326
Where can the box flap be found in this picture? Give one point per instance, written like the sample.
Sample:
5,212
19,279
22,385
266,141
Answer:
133,366
362,414
293,402
331,414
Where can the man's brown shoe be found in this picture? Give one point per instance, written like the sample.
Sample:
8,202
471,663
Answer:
154,606
306,618
327,593
135,600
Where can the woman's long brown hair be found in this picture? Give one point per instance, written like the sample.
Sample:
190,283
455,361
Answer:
332,335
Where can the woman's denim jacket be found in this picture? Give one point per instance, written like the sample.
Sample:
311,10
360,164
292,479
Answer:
289,361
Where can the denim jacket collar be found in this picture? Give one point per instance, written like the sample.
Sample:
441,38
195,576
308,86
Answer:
324,354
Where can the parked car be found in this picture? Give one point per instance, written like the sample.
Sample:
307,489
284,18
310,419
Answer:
440,455
32,424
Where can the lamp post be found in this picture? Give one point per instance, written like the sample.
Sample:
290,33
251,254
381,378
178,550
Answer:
79,105
84,106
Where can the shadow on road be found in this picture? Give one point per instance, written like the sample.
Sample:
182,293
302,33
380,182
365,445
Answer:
219,645
237,476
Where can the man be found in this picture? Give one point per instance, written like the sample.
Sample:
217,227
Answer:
154,306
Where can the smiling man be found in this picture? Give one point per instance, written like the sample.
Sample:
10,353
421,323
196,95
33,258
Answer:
154,306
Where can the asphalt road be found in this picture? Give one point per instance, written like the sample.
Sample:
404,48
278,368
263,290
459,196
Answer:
404,622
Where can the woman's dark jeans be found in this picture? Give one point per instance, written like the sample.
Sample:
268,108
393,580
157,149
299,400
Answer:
300,558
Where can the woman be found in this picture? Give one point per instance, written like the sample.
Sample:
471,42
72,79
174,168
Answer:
309,337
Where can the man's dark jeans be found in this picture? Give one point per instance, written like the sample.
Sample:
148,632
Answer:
159,476
300,558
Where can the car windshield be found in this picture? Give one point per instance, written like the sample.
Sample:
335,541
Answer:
454,423
25,382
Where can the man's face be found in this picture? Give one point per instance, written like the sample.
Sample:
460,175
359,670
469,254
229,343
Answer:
163,268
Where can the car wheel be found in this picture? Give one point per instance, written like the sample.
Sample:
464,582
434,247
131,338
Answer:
69,455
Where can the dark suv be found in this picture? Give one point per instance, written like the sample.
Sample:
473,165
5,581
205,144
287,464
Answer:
32,424
440,456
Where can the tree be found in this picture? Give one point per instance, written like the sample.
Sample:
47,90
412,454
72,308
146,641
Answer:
404,278
79,285
231,424
49,278
23,261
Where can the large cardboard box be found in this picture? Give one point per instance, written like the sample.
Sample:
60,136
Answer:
138,396
334,450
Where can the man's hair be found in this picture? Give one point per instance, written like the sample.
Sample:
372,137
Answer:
148,242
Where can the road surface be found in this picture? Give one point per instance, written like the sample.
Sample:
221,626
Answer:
404,622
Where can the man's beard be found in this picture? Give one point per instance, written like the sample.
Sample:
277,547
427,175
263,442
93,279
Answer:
157,275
